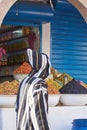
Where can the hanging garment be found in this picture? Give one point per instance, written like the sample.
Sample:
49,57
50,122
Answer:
31,40
32,98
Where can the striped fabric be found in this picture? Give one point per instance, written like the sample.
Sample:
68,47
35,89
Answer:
32,98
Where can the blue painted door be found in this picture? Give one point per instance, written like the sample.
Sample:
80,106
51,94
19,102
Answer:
69,41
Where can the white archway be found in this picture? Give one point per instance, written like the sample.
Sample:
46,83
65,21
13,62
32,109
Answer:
4,7
81,6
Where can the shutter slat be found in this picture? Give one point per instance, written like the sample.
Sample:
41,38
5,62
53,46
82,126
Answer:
69,42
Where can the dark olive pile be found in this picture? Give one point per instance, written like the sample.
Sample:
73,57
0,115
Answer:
73,87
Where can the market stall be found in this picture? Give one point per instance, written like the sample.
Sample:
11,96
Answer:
60,117
63,108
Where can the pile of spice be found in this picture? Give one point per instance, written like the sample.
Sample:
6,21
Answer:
25,68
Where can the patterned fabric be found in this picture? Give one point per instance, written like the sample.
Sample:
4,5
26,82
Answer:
32,98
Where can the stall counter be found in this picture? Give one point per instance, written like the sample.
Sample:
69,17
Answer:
60,117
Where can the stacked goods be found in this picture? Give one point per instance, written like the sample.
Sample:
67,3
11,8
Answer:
55,73
68,84
58,81
73,87
65,84
63,79
9,88
83,84
22,71
53,86
25,68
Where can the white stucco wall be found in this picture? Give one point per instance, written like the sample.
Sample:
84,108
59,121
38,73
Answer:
4,7
46,38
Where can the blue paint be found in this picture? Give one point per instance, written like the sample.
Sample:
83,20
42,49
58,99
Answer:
29,12
68,33
69,41
79,124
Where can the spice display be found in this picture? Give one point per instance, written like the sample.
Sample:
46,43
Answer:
53,86
25,68
83,84
73,87
63,78
65,84
9,88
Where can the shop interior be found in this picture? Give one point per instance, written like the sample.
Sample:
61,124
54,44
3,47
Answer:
15,40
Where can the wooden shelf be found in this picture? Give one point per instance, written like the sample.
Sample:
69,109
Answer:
13,39
16,64
10,29
5,76
15,51
15,45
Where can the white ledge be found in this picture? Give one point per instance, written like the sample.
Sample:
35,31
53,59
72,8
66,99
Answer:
7,101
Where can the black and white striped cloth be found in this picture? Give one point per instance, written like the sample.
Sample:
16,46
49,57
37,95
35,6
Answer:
32,98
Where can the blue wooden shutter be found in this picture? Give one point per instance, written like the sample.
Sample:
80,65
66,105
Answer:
69,41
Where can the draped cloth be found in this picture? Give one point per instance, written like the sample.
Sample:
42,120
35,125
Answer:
32,98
